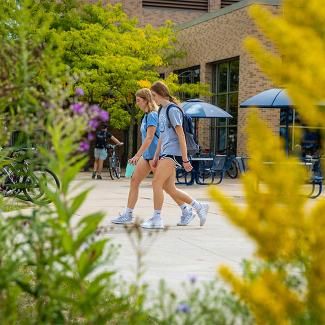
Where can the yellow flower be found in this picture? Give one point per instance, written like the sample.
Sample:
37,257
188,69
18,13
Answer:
285,226
144,84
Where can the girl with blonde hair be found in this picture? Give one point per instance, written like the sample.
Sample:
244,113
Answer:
144,157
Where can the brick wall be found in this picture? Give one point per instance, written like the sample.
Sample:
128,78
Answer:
218,39
133,8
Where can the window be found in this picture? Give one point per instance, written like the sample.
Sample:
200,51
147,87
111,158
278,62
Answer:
225,87
303,140
190,76
177,4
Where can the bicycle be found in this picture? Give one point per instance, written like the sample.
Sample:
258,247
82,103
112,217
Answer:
20,178
114,165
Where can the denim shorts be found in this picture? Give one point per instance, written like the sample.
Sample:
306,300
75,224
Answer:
100,154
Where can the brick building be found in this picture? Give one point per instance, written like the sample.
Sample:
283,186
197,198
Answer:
214,46
212,33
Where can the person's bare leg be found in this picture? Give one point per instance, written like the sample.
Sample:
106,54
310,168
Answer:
187,212
142,170
200,207
95,169
165,168
177,195
95,165
100,166
176,199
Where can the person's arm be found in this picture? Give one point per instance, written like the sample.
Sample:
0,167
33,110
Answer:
119,143
146,143
182,142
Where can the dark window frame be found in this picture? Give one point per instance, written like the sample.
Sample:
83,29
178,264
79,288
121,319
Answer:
219,125
193,79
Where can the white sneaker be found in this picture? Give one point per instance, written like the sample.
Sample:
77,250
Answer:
153,223
123,219
203,212
186,217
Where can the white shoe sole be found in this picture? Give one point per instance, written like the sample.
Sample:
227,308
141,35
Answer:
151,227
121,223
203,219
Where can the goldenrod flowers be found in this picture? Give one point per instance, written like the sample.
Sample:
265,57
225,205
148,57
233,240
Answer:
286,227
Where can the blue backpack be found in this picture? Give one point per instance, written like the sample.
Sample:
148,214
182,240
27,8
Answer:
192,146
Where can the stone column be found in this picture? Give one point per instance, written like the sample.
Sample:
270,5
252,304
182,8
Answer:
214,5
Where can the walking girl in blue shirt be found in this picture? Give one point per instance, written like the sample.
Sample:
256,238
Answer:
144,157
171,152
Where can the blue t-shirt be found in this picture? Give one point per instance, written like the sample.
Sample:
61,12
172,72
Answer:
169,138
150,119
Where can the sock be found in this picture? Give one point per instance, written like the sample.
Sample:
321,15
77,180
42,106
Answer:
196,205
185,209
183,206
128,211
157,214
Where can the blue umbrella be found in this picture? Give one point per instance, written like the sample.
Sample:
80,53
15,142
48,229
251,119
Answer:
272,98
197,108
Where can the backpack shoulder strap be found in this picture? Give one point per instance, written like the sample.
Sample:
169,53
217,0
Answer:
167,113
146,121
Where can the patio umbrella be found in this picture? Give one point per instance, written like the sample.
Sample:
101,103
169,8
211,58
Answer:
197,108
272,98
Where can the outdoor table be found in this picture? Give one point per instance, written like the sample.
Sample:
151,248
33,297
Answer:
195,161
314,180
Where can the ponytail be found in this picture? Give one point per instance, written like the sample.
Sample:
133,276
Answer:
162,90
174,100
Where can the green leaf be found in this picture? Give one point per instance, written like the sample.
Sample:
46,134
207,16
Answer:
88,227
89,258
78,201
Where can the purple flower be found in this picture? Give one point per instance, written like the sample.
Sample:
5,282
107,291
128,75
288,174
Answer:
84,146
183,308
103,115
192,278
93,124
95,109
91,136
78,108
79,91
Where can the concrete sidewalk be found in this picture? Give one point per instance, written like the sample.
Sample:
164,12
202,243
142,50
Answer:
179,252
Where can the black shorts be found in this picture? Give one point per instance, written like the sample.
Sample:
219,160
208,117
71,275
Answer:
176,159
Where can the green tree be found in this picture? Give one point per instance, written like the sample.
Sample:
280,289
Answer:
30,56
111,57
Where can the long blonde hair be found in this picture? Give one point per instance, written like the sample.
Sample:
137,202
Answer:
162,90
145,94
